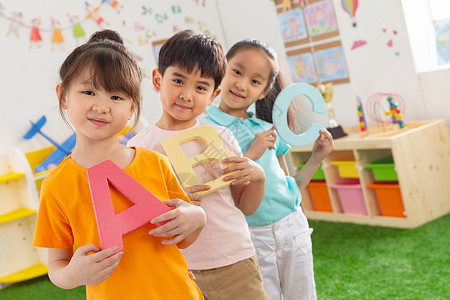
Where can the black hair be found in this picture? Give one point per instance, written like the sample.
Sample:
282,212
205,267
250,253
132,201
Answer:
189,50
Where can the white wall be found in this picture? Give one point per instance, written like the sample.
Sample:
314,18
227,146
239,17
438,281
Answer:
433,78
372,68
29,75
436,91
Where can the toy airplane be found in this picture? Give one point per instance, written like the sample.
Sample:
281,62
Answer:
58,154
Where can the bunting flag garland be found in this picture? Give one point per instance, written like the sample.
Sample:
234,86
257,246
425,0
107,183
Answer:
55,32
93,13
16,24
57,38
35,37
78,31
114,4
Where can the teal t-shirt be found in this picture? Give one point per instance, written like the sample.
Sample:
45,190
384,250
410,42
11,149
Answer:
281,195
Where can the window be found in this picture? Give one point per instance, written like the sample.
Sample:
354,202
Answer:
428,24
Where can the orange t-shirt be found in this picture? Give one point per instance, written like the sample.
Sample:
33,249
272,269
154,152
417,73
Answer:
148,269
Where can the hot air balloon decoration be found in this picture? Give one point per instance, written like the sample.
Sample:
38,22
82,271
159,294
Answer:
350,7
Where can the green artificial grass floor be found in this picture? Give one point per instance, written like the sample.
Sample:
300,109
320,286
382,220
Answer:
350,261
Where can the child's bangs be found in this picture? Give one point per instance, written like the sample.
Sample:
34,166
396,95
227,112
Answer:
114,76
196,59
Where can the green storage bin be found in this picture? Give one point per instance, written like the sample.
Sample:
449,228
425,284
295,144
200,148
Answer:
318,175
383,169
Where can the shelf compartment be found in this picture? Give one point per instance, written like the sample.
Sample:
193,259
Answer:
41,175
350,196
11,176
319,175
25,274
383,169
319,195
346,168
389,198
16,214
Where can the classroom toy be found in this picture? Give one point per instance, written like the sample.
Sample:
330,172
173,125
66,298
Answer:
36,128
395,113
362,117
184,165
386,108
112,226
58,154
125,137
279,115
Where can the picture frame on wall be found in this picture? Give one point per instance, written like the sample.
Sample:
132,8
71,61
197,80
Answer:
321,63
292,26
321,19
303,22
301,66
156,46
331,64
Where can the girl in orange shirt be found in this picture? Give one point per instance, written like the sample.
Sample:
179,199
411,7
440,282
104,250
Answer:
100,92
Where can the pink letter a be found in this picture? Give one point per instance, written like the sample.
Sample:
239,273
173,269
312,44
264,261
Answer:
112,226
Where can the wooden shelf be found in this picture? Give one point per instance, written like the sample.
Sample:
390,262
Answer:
11,176
421,156
381,137
25,274
16,214
41,175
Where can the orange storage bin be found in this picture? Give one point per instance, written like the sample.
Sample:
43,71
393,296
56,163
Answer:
389,198
320,197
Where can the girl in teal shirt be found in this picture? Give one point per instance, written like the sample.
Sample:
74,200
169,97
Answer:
279,229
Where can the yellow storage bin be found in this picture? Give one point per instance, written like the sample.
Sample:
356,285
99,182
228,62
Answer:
346,168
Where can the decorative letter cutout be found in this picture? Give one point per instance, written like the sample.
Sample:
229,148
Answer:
279,115
184,165
112,226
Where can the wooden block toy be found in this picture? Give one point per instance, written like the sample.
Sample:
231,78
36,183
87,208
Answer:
112,226
183,165
279,115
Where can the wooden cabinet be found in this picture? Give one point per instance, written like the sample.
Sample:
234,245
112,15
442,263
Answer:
19,201
421,155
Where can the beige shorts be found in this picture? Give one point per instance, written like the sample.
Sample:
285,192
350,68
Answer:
241,280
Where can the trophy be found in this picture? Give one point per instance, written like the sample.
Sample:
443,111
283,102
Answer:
333,127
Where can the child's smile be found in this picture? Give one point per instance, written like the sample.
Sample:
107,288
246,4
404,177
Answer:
236,94
245,81
184,96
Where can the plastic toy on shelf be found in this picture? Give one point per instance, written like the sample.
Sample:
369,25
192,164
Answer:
394,112
58,154
386,108
362,118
